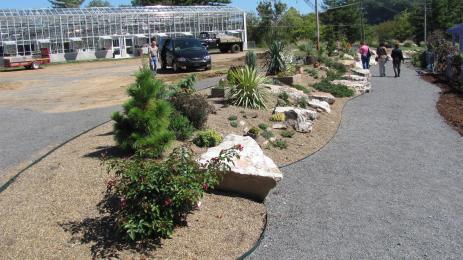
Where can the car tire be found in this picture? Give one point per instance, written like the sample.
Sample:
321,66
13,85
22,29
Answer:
35,66
175,67
235,48
223,50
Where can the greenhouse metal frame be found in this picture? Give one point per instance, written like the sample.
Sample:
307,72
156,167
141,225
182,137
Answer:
108,32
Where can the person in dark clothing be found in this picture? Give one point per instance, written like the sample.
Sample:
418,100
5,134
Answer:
397,59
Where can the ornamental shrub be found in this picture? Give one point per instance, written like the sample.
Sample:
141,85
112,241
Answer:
280,144
335,89
154,197
246,88
275,60
267,134
143,126
208,138
263,126
287,134
181,126
194,106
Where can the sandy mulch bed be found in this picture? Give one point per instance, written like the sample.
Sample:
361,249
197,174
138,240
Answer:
51,212
299,146
450,103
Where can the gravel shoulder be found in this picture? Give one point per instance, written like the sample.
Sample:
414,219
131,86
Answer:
389,185
51,212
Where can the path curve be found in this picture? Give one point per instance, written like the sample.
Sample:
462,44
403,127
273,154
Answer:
388,186
26,135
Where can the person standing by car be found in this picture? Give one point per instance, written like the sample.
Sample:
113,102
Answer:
382,58
365,55
153,56
397,58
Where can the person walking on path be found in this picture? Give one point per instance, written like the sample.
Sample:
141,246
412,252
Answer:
153,56
397,59
365,55
382,59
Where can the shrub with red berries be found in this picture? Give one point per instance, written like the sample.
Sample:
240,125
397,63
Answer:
156,196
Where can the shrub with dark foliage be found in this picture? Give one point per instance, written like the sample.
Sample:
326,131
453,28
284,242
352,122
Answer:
194,106
181,126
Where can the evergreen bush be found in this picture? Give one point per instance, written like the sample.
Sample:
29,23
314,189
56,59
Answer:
194,106
335,89
208,138
143,126
181,126
251,59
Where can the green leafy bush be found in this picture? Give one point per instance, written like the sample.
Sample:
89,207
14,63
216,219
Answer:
251,59
194,106
234,124
287,134
263,126
419,59
303,102
143,126
208,138
181,126
284,96
280,144
232,118
154,197
278,117
334,89
187,84
267,134
275,61
246,88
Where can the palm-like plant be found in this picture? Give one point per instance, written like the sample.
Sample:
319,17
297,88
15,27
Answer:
246,89
275,61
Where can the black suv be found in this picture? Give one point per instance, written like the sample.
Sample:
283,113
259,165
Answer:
183,54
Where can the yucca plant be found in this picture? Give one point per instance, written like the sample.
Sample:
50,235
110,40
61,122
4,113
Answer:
246,88
275,61
251,59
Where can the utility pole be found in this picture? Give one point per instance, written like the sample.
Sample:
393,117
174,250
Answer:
318,25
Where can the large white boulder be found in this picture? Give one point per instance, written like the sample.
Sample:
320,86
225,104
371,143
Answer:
360,87
323,105
299,118
362,72
294,94
253,175
323,96
354,77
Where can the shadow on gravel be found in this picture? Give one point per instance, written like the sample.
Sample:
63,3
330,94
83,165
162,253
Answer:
103,152
103,235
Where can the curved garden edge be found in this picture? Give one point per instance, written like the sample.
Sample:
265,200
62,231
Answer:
256,245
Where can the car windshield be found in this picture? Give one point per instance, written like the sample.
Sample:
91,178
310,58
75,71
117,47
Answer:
187,44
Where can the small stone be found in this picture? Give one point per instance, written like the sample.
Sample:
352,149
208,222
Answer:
242,123
254,115
272,139
279,126
246,130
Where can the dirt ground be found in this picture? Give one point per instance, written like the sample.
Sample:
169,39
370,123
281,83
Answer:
86,85
51,212
450,103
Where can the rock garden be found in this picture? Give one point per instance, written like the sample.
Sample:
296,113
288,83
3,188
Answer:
187,172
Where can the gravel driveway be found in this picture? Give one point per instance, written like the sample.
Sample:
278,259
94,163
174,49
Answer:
389,185
26,135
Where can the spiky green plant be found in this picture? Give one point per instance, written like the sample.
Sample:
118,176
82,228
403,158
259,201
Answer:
251,59
143,126
246,89
275,61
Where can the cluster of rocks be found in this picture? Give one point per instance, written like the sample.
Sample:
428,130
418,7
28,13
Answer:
360,87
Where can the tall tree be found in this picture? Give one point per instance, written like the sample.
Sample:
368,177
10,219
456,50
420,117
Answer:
270,15
66,3
378,11
99,3
178,2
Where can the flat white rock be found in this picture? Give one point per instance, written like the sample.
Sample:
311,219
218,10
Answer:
315,103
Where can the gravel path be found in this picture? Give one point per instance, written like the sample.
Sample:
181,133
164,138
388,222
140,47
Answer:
26,135
389,185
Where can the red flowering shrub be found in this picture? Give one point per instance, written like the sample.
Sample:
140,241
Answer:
157,196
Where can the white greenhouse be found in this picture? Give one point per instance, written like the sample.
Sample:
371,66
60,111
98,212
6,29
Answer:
92,33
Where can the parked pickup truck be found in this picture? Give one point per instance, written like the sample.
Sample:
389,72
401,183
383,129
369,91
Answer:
223,42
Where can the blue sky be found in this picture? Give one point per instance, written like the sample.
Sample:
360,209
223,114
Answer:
248,5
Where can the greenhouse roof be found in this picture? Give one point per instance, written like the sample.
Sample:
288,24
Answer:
117,10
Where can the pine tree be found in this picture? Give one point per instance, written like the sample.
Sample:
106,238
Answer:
343,21
143,127
66,3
